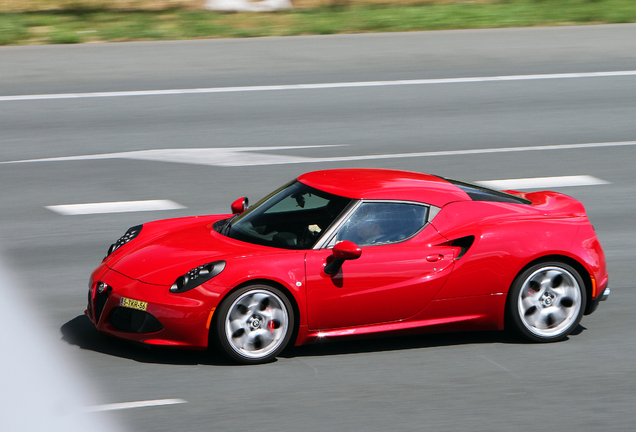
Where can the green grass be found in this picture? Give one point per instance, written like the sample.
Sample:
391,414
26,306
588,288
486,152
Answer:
97,25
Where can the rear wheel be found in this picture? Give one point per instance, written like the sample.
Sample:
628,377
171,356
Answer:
254,324
546,302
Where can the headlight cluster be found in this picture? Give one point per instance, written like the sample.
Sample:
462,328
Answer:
197,276
130,235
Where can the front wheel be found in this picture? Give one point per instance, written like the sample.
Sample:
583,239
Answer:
254,324
546,302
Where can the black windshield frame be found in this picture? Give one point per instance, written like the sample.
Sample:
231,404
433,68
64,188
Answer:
294,216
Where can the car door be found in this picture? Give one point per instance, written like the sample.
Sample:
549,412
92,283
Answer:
391,280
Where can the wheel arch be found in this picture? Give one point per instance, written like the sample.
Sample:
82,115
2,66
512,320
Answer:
273,284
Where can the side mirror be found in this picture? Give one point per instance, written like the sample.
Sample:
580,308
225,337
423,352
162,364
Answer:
345,250
240,205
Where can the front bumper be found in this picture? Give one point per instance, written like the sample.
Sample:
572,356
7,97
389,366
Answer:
150,314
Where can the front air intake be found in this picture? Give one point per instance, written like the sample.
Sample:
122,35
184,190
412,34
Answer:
134,321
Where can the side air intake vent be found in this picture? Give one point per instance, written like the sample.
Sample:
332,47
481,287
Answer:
464,243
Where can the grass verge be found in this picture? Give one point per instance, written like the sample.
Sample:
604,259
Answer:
96,24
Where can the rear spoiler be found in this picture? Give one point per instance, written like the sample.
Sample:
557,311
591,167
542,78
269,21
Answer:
553,203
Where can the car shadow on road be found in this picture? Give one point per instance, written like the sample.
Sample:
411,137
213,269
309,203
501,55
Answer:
406,342
399,343
81,332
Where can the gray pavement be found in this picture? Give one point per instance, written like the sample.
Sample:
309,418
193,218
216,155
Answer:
481,381
310,59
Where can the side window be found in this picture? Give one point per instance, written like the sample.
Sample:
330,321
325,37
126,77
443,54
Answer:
380,223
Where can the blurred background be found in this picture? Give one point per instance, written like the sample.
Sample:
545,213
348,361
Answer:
76,21
191,107
36,5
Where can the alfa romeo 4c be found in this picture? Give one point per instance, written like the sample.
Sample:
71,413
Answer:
352,252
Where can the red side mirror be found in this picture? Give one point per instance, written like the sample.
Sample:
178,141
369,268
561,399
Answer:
345,250
240,205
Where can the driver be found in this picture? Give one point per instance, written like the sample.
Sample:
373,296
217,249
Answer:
369,232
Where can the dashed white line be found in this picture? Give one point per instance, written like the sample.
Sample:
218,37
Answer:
318,86
139,404
114,207
543,182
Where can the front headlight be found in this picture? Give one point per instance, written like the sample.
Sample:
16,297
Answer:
197,276
130,235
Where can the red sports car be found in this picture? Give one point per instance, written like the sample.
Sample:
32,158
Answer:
350,252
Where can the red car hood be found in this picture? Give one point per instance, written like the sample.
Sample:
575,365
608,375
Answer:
167,249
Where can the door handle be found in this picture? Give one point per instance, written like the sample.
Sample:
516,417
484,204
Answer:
434,257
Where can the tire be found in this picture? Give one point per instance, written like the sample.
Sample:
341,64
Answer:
254,324
546,302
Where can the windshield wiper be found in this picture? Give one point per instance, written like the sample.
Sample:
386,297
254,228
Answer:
226,228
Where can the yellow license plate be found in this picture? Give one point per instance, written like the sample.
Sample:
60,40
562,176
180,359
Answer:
133,304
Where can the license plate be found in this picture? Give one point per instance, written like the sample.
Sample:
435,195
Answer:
133,304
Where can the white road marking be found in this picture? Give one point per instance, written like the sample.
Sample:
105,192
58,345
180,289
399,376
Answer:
224,156
472,152
318,86
543,182
114,207
139,404
251,156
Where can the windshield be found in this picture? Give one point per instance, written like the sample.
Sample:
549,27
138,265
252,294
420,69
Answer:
293,217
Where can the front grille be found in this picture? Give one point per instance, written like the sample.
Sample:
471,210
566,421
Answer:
90,303
100,301
134,321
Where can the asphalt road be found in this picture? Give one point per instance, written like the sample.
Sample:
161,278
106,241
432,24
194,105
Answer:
468,381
